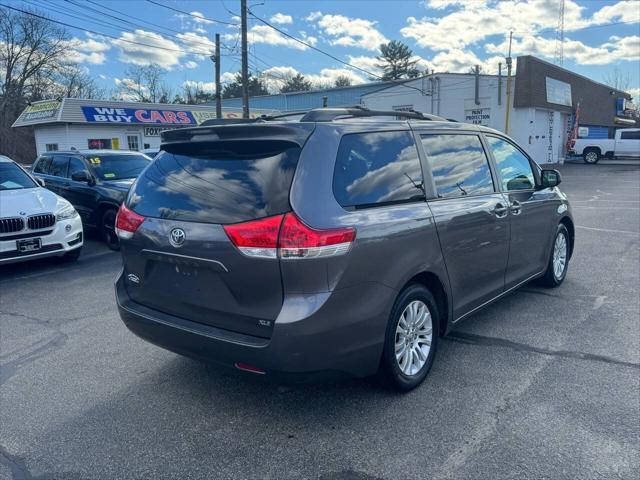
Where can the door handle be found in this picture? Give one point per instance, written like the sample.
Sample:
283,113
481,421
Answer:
66,184
500,211
515,207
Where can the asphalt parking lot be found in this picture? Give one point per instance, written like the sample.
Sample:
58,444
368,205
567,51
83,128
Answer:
543,384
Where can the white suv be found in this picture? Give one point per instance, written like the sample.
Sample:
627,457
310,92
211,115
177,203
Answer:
34,222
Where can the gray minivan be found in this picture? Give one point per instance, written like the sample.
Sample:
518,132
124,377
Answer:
345,242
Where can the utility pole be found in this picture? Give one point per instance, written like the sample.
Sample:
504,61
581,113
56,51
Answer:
218,87
508,105
245,60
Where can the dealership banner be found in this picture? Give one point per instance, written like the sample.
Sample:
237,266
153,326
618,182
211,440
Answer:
138,115
41,110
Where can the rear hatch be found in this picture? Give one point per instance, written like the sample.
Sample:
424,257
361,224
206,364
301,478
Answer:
180,260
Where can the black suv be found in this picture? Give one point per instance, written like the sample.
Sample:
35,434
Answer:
337,243
94,181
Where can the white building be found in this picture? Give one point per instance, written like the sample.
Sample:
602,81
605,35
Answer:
543,101
91,124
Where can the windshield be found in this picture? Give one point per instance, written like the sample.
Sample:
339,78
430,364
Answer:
118,167
12,177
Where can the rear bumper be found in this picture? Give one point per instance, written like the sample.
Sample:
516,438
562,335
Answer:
65,236
317,336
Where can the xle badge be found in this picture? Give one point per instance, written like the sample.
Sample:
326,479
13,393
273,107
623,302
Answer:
133,278
264,323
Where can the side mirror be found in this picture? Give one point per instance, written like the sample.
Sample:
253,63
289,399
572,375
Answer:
40,181
550,178
81,176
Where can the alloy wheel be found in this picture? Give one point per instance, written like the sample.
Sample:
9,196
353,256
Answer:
413,337
559,255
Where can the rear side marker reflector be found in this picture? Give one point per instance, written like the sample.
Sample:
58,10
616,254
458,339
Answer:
286,236
249,368
127,222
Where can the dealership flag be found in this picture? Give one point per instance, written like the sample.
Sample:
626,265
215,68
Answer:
573,134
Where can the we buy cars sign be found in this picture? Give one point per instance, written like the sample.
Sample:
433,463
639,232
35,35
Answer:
138,115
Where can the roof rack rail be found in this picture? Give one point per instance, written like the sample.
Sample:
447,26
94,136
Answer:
330,114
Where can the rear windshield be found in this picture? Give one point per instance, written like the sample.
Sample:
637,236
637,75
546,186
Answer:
218,182
118,167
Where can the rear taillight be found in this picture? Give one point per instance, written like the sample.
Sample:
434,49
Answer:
258,238
127,222
300,241
287,237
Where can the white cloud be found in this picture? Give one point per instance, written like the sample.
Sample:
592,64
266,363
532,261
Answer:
208,87
274,77
624,11
196,43
313,16
190,64
351,32
635,94
148,55
87,51
198,17
617,49
227,77
281,19
267,35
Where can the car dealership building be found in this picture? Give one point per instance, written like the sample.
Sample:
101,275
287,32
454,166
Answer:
544,101
92,124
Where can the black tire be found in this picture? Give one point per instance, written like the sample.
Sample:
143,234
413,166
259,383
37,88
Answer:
108,229
72,256
390,367
591,156
550,279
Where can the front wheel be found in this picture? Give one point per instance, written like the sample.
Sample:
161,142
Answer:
559,259
591,156
411,338
108,229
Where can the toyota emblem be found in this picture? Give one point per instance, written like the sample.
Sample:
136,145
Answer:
177,237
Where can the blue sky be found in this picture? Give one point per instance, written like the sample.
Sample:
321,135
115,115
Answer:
445,35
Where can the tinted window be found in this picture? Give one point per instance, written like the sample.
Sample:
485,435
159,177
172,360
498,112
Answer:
459,165
630,135
514,167
13,177
76,165
58,166
117,167
209,183
42,165
377,168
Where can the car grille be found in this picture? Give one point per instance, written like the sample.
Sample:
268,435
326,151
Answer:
45,220
9,225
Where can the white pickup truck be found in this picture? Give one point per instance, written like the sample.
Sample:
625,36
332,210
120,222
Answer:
625,144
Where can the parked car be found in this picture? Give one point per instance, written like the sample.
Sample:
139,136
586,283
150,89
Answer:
94,181
337,244
34,222
626,143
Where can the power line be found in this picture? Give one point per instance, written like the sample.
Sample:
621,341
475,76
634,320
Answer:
75,27
308,45
137,25
191,14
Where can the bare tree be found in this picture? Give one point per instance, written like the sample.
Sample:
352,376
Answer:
32,53
144,84
617,79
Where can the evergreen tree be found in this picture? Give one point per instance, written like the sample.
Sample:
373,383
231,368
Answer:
395,61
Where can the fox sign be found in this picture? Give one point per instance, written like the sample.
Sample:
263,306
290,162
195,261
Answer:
138,115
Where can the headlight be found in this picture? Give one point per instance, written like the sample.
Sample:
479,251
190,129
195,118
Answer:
66,212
